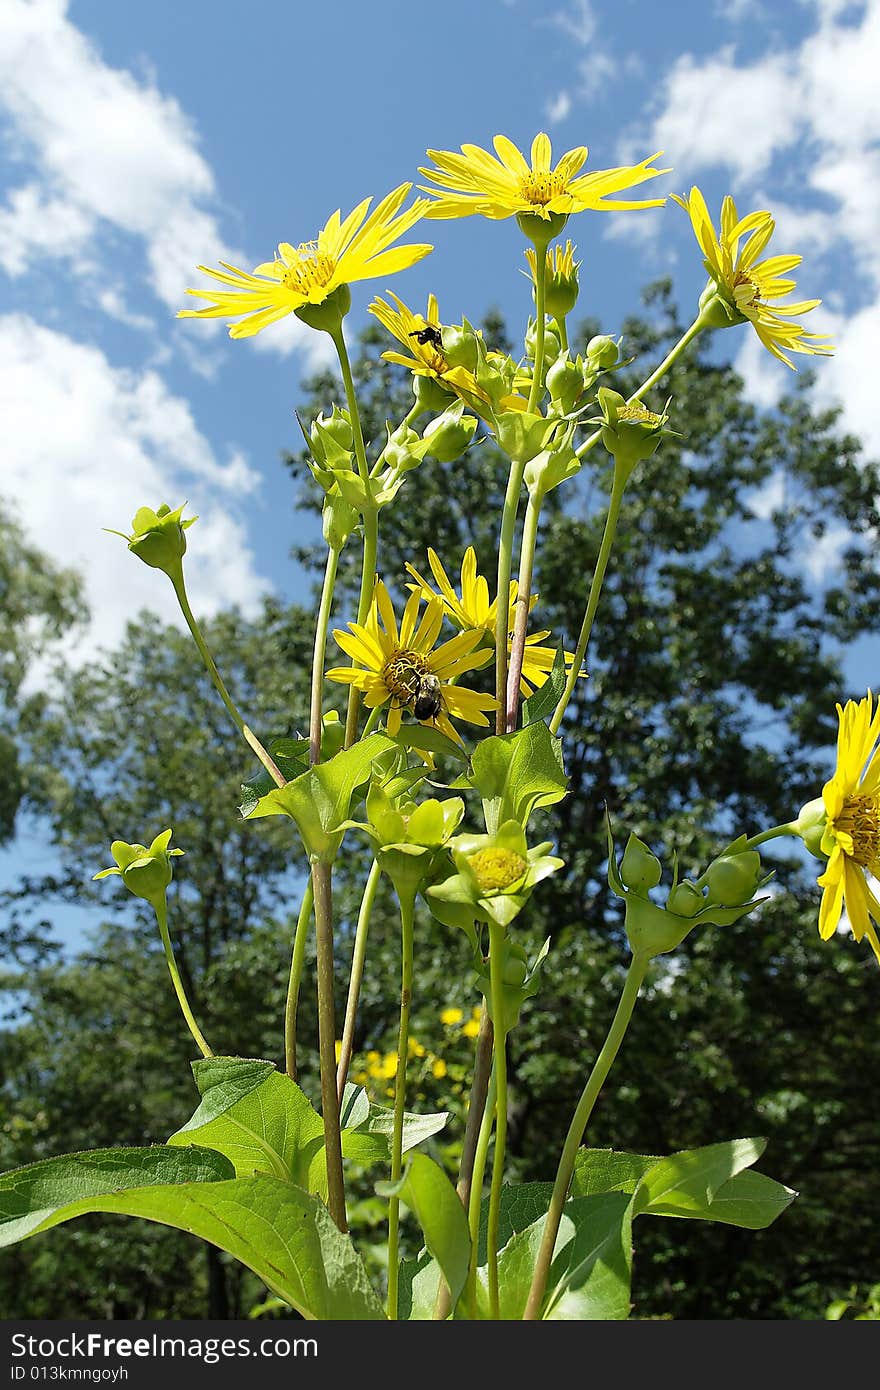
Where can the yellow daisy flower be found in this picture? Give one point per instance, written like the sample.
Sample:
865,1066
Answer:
404,668
472,611
471,1029
449,1017
852,831
746,284
438,1069
474,181
354,249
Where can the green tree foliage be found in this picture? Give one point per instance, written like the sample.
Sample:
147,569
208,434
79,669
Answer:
709,709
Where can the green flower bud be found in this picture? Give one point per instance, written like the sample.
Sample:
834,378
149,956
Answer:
515,967
552,343
157,537
811,824
448,436
332,735
146,872
630,432
639,868
402,450
565,382
332,437
338,520
733,878
519,982
429,394
603,352
461,345
685,900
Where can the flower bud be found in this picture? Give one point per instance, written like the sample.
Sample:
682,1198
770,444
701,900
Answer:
561,279
685,900
733,878
429,394
630,431
552,343
332,735
460,345
639,868
158,538
603,352
516,965
145,872
523,435
332,438
401,451
565,383
449,435
338,520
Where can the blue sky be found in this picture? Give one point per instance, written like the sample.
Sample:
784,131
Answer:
136,141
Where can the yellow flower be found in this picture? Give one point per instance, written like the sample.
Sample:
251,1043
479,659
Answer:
438,1069
476,182
449,1017
745,284
472,611
852,831
471,1028
354,249
389,1065
404,668
420,333
415,1048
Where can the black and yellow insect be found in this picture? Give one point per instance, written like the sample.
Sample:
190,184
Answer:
429,334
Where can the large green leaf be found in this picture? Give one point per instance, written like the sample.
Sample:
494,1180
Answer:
426,1189
319,800
547,696
258,1118
685,1183
606,1170
285,1235
517,773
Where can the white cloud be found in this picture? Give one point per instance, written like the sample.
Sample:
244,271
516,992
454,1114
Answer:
83,439
109,152
769,497
558,107
580,25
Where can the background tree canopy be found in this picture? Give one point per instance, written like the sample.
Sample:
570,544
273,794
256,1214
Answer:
709,709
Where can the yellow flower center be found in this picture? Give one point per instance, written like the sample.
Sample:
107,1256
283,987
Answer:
860,819
403,672
539,189
637,411
496,869
313,270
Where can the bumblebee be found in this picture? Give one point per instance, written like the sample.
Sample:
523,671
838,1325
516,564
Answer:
427,700
429,334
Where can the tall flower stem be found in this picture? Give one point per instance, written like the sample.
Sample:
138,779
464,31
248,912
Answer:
475,1113
565,1172
617,490
160,908
358,957
476,1195
370,518
319,653
523,603
496,944
502,607
323,891
407,905
297,961
789,828
540,316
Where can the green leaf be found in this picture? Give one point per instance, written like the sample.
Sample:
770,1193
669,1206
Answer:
521,1205
605,1170
286,1236
319,800
517,773
291,756
417,1288
545,699
428,740
750,1199
426,1189
685,1183
259,1119
591,1271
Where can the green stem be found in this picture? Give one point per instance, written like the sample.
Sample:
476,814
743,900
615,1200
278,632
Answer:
319,654
356,978
562,331
476,1111
789,828
496,946
351,400
502,606
540,315
323,891
635,976
523,603
180,591
160,907
617,489
368,582
297,961
407,905
476,1195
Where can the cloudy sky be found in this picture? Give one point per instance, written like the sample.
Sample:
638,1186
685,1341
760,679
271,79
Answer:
136,141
